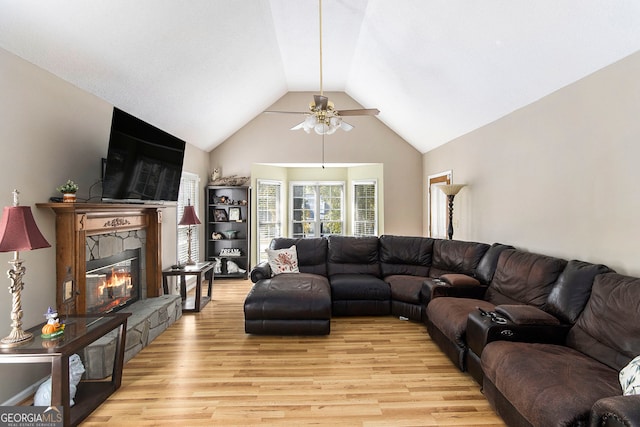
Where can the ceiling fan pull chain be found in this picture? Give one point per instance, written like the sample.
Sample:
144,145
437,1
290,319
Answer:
323,151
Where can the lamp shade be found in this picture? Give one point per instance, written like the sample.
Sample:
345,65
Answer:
18,230
189,216
451,189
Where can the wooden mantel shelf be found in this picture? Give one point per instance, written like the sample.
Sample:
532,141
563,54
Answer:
79,206
76,221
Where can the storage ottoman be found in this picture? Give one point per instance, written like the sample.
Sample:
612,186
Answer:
289,304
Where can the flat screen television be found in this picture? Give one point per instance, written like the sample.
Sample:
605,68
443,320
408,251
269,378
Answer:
143,163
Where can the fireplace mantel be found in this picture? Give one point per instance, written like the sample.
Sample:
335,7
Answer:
76,221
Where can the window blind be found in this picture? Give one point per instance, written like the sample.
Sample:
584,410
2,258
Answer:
365,221
269,214
188,193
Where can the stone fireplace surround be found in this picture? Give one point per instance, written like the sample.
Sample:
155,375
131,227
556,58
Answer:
85,231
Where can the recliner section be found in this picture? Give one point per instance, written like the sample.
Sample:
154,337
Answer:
520,278
357,288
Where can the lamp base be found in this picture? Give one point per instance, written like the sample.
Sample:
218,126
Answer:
189,262
16,338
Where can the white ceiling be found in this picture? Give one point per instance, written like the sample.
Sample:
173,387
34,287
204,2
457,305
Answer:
202,69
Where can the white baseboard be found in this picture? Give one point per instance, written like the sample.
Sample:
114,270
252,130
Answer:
24,394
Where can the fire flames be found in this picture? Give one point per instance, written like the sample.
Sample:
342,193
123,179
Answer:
114,290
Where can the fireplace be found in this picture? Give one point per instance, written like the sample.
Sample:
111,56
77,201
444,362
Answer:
112,282
95,241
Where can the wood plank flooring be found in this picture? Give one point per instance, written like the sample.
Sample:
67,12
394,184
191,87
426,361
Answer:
370,371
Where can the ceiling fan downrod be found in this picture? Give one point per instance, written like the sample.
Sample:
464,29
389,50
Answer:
320,26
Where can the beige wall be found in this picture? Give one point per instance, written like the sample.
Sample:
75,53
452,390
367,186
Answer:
51,131
559,176
267,139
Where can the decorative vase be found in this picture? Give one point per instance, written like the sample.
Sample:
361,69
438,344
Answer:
231,234
69,197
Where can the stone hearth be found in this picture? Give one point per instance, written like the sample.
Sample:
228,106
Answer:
150,317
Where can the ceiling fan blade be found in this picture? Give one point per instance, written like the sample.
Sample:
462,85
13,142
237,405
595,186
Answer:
286,112
360,112
321,101
298,126
345,126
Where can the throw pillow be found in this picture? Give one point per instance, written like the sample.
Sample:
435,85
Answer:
283,260
630,377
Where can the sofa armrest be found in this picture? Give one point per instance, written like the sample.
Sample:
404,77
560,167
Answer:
483,329
616,411
260,272
434,288
526,315
463,280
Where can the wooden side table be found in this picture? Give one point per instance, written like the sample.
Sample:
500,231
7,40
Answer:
79,332
202,271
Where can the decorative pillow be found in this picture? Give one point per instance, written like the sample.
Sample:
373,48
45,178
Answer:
283,260
630,377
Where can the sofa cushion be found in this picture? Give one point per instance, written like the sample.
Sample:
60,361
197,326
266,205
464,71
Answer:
312,253
571,292
456,256
406,288
487,265
524,278
353,255
548,384
449,315
300,296
405,255
283,260
358,287
608,329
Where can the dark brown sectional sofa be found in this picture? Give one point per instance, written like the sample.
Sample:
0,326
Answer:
545,337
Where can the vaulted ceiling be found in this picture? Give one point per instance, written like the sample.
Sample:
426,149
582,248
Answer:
202,69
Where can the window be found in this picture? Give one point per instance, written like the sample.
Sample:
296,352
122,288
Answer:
365,212
437,202
317,209
269,212
188,193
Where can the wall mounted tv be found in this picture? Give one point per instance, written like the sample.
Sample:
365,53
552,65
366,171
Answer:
143,164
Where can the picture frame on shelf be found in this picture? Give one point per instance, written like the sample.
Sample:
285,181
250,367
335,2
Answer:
234,214
220,215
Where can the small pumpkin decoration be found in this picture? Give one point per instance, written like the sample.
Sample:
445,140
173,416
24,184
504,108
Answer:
53,328
49,328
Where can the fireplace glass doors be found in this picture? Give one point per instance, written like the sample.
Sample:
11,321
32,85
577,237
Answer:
113,282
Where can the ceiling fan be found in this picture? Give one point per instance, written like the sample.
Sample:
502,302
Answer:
322,116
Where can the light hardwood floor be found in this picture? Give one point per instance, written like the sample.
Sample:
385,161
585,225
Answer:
370,371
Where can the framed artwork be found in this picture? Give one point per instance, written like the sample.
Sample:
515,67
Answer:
220,215
234,214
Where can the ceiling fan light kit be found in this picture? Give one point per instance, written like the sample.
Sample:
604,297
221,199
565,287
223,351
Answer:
322,121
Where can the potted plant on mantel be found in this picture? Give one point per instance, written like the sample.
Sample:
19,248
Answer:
68,191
